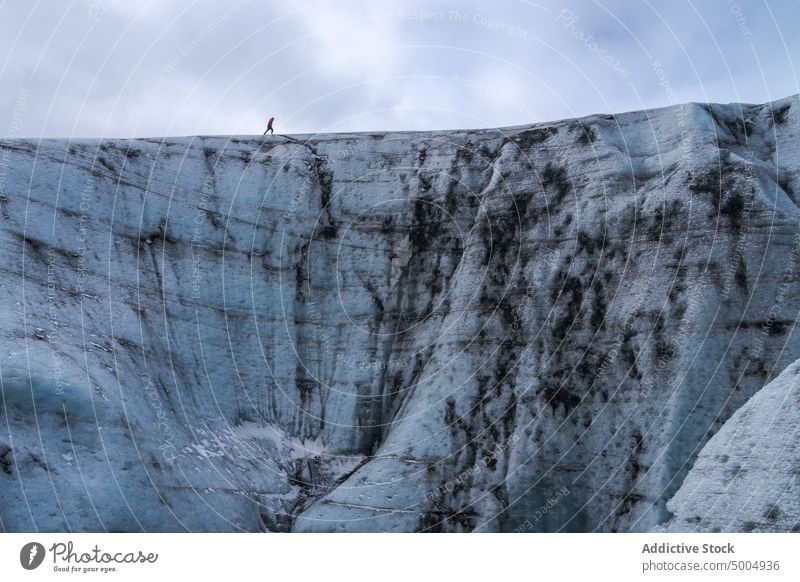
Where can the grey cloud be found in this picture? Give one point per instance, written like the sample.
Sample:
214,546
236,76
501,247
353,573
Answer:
173,68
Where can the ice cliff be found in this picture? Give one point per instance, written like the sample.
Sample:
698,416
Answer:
525,329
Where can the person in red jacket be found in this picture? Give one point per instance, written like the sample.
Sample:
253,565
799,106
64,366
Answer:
269,126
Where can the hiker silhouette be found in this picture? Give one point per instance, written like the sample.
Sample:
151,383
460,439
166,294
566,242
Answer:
269,126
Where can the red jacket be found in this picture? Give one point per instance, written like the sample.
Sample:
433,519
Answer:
269,123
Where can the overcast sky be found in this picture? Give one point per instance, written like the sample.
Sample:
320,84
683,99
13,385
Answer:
119,68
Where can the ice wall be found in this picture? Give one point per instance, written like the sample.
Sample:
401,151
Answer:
444,331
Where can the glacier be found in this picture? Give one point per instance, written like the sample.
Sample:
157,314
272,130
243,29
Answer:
746,478
535,328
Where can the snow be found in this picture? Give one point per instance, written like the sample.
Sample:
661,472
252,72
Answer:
745,478
316,333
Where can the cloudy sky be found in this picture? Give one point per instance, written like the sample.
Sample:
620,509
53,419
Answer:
117,68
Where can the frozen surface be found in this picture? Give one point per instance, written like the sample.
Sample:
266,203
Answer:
444,331
747,477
